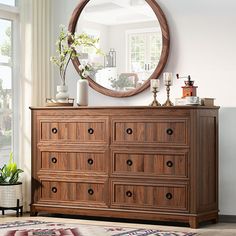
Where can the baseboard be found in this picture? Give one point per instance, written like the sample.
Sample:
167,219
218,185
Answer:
227,218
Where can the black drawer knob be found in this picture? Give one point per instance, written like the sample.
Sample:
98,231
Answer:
54,189
90,192
90,161
169,163
129,162
90,131
54,160
54,130
129,194
169,196
129,131
169,131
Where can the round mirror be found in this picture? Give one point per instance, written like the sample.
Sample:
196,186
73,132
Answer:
134,38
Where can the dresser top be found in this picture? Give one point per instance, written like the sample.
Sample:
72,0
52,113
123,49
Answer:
120,107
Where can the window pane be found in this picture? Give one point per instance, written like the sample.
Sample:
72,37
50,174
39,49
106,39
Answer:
5,41
8,2
5,113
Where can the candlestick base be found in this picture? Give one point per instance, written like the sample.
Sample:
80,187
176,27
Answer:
155,104
168,103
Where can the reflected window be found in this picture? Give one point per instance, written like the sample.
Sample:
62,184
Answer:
144,51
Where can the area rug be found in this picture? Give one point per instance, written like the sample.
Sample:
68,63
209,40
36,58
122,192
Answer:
39,228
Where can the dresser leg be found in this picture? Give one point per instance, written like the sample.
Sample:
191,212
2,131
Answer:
215,221
33,213
193,222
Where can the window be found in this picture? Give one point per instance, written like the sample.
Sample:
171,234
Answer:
8,97
144,50
8,2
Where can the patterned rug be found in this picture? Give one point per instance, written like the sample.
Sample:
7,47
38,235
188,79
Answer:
39,228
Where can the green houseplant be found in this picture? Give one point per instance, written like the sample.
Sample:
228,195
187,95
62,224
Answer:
9,173
10,187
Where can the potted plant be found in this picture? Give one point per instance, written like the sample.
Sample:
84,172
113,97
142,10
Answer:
10,187
67,47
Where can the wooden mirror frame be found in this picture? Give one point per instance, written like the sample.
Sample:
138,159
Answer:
163,59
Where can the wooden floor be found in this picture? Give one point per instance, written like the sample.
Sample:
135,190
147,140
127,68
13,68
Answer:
224,229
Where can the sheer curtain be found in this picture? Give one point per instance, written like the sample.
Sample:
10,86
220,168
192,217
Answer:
35,75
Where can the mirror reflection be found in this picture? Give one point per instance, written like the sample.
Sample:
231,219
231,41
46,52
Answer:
130,38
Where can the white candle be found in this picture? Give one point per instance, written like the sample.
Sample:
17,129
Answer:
168,78
155,83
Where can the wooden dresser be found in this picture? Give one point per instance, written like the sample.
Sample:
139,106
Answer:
126,162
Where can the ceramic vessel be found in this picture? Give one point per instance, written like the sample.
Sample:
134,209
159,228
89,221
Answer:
82,92
62,93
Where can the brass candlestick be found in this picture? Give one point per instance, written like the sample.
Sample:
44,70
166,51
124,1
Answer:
155,103
168,103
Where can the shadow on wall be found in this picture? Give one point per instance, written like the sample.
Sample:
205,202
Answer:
227,160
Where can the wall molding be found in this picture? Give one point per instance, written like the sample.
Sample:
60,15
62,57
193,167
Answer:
227,218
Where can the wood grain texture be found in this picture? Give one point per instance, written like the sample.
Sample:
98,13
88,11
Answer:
128,166
163,58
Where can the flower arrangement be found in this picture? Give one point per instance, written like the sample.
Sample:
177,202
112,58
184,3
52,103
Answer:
9,173
84,70
67,47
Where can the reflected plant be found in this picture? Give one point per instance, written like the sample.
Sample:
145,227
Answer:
121,82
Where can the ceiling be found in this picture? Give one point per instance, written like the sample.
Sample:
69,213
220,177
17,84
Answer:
115,12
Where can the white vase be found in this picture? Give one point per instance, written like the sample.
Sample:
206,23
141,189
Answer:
62,93
82,92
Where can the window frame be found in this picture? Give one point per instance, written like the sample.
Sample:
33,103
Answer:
143,31
11,13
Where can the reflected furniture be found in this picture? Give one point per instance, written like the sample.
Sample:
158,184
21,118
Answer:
126,162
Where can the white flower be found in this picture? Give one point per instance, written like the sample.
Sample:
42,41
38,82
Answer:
81,67
85,74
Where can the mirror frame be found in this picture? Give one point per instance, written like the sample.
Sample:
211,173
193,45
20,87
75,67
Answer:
163,59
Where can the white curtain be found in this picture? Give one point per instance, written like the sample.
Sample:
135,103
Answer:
35,75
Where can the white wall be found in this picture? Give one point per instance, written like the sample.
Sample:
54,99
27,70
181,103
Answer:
203,44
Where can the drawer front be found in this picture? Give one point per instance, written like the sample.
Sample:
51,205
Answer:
82,161
154,196
143,163
74,192
158,131
71,130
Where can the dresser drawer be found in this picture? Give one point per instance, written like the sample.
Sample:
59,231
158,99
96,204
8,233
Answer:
74,130
74,192
150,131
141,162
91,161
153,196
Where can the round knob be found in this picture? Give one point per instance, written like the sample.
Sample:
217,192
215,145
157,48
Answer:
54,160
169,196
169,131
169,163
54,130
129,162
54,189
129,194
90,161
90,191
90,131
129,131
